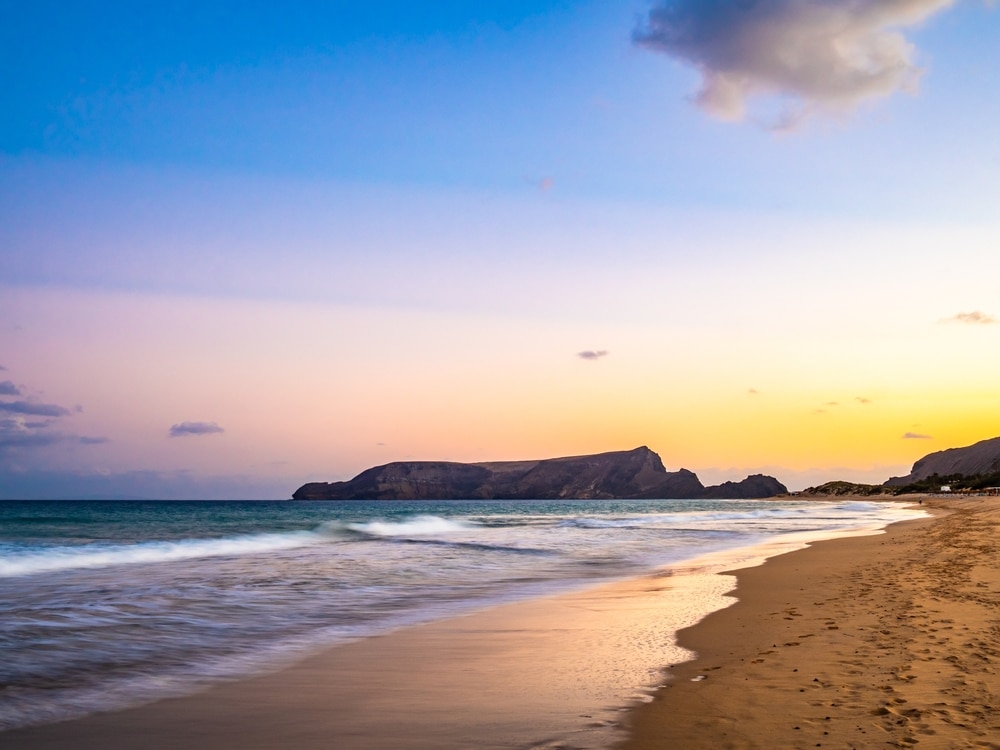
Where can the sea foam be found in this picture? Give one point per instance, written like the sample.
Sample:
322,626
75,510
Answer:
64,558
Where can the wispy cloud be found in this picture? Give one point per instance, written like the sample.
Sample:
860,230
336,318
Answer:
814,55
33,409
7,388
862,400
753,392
916,436
592,355
976,317
195,428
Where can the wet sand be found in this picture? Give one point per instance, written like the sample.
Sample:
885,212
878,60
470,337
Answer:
549,673
875,642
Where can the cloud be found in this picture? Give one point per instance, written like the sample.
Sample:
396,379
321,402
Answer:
27,439
195,428
7,388
753,392
976,317
16,433
87,440
36,410
813,55
916,436
592,355
862,400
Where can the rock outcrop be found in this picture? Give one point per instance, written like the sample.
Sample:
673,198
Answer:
970,461
636,473
753,487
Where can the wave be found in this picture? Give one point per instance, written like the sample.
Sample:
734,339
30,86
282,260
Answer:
58,559
65,558
416,526
843,512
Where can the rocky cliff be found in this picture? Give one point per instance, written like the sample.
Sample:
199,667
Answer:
636,473
970,461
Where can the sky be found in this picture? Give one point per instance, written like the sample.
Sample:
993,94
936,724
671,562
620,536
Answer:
245,246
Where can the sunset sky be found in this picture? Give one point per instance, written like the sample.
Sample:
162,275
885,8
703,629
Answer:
244,246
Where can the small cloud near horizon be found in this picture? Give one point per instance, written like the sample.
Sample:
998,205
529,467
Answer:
976,317
804,56
862,400
753,392
916,436
194,428
592,355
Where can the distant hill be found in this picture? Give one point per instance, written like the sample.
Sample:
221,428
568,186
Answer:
633,474
848,488
973,467
982,458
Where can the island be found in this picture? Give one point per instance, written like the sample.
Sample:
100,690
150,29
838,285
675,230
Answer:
632,474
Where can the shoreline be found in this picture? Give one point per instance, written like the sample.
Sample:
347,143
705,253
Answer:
872,642
547,663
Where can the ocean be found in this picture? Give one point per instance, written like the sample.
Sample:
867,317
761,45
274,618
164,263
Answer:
105,605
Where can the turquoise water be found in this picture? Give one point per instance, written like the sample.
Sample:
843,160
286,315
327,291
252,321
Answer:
108,604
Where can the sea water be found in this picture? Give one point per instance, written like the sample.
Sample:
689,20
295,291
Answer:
104,605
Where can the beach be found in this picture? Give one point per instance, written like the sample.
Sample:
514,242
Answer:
884,641
868,641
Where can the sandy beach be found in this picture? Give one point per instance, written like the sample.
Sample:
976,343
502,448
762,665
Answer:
876,641
884,641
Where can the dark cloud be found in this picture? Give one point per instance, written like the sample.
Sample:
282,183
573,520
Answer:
195,428
916,436
87,440
976,317
592,355
7,388
815,55
27,439
32,409
16,433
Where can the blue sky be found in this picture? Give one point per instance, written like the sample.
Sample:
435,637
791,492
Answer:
522,169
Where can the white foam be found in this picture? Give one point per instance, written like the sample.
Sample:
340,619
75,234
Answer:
103,556
416,526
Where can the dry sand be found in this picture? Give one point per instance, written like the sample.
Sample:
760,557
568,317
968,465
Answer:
875,642
870,642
